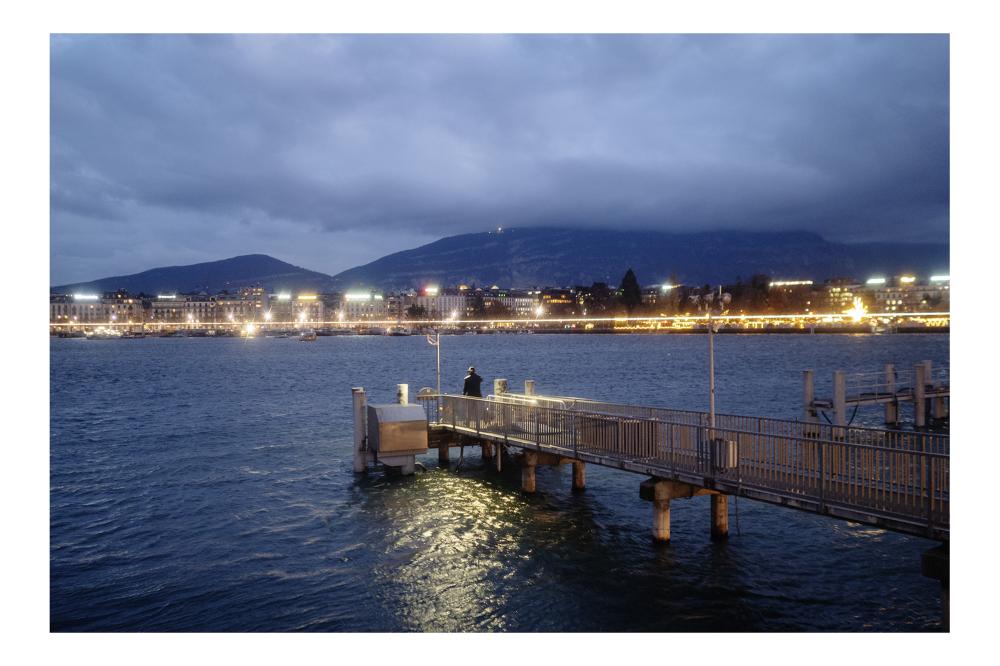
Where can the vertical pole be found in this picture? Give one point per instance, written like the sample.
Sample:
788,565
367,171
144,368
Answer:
711,377
720,517
808,396
529,387
839,403
360,455
437,346
528,463
919,383
661,520
891,407
403,394
579,475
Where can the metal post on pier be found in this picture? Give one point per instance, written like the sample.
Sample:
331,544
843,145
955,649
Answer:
810,416
891,407
529,387
403,394
919,386
360,454
839,403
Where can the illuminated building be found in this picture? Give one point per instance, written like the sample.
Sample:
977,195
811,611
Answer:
362,305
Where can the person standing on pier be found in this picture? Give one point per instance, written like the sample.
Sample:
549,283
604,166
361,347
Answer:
472,384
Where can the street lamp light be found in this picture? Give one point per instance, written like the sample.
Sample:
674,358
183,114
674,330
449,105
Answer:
712,303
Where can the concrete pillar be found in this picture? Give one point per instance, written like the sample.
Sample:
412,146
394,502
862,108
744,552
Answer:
528,464
403,394
579,475
810,416
919,397
720,517
529,387
661,520
360,427
500,386
892,407
839,404
443,451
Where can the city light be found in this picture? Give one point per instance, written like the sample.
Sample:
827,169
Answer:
249,329
165,296
907,279
940,278
666,287
307,297
284,297
539,311
857,312
302,316
876,280
85,297
792,283
340,316
357,296
431,291
454,315
267,315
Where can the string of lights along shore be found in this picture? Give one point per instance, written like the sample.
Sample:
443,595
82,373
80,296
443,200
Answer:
762,304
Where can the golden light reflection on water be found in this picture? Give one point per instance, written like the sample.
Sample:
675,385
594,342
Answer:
456,546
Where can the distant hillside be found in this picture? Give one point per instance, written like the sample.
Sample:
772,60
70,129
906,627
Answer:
212,276
565,257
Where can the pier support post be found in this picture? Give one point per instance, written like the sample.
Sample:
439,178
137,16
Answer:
839,404
360,414
720,517
487,449
579,475
891,407
443,453
403,394
660,492
529,387
919,395
661,520
528,464
500,386
810,416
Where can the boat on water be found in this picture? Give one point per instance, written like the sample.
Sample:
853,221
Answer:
104,334
324,332
72,334
307,335
398,331
131,335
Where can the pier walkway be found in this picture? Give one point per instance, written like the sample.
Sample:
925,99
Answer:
894,479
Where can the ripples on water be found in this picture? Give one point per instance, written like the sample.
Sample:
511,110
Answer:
206,485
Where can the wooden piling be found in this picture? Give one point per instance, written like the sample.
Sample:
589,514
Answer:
720,517
579,475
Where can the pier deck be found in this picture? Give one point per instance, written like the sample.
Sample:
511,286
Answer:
894,479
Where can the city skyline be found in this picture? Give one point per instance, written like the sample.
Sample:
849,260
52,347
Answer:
332,151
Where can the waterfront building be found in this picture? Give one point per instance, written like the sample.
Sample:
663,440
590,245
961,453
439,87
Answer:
88,308
364,305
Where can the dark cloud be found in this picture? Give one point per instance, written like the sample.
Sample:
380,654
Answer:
329,151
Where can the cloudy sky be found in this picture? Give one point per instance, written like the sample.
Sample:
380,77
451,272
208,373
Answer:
330,151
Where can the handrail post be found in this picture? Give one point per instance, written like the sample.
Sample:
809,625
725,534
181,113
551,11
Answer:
822,476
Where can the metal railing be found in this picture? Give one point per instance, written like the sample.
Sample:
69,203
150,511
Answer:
895,478
909,440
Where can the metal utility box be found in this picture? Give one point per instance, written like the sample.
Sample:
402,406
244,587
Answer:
397,430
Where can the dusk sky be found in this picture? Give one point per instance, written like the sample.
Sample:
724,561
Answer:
330,151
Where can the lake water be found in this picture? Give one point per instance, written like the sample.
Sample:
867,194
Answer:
207,485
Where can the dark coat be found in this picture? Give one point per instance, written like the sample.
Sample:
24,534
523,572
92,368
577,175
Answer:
472,386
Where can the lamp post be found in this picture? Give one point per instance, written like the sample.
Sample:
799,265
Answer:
434,339
713,304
